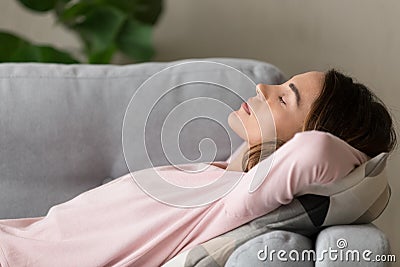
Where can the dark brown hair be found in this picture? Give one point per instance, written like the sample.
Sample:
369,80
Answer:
346,109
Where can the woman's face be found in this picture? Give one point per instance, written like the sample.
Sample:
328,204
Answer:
285,105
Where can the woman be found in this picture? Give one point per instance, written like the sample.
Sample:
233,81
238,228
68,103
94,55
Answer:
117,224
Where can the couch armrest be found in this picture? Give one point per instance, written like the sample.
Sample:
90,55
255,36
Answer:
350,241
258,251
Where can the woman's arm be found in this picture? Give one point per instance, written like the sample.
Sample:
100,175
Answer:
309,157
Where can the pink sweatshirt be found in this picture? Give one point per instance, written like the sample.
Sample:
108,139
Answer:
117,224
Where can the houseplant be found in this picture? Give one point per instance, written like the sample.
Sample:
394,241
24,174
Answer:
104,27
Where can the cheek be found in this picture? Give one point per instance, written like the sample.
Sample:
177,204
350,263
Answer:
247,127
287,126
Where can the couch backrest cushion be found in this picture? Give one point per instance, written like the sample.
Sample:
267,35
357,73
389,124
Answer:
61,125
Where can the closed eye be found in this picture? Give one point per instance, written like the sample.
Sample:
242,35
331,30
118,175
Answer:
281,100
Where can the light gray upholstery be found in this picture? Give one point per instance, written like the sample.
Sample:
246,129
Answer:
263,251
61,125
356,238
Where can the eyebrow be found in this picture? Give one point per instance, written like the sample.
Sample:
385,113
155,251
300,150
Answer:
296,92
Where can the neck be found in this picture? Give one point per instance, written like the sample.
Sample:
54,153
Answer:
235,163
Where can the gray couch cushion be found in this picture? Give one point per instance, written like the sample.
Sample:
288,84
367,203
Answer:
260,251
350,241
60,125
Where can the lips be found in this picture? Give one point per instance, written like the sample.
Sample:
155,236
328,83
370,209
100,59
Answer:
246,107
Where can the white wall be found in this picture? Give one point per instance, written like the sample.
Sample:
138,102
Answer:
359,37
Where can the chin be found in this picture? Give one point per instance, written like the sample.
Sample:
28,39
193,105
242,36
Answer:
236,125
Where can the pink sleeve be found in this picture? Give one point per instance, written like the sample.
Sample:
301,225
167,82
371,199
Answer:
309,157
312,157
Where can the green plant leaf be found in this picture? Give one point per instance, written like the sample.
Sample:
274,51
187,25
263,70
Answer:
127,6
148,11
16,49
134,40
102,57
49,54
72,14
104,26
39,5
8,45
100,28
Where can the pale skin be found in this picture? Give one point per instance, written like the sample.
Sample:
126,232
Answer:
277,111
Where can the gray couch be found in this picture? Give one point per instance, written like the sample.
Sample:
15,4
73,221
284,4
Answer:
61,134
